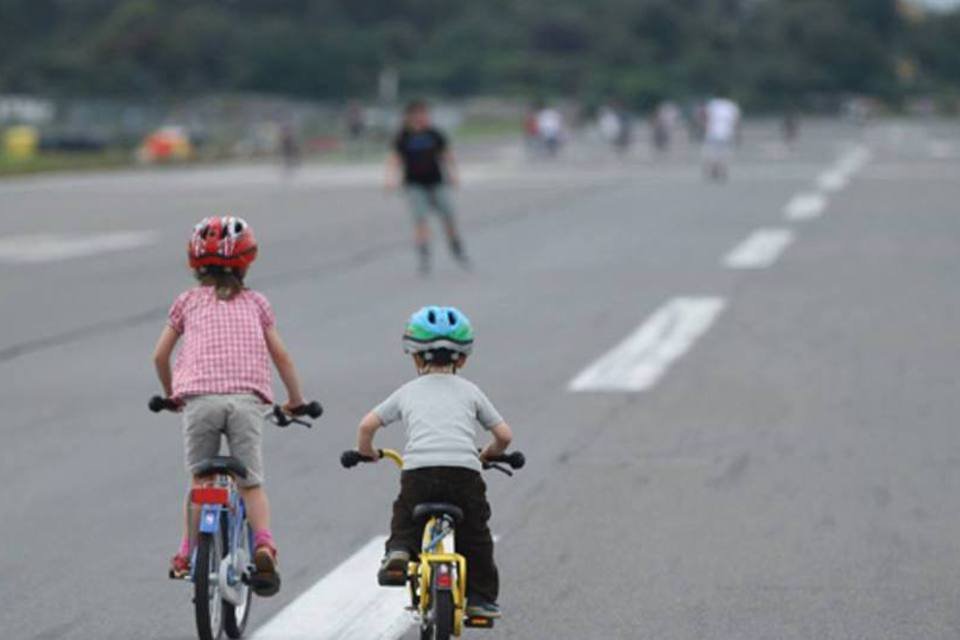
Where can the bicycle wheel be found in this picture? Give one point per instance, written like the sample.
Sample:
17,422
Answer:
442,626
207,603
235,616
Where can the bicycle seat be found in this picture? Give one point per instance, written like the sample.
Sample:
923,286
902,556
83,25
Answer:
431,509
219,465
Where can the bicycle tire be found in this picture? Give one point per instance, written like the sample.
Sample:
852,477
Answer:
235,624
206,593
442,615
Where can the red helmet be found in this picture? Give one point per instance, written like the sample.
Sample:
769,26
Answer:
222,241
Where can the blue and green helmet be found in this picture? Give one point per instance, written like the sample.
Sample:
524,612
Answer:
438,328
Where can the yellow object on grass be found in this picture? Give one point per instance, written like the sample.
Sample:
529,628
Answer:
21,142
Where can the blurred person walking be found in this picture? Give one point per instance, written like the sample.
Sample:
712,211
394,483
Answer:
550,129
423,162
663,122
721,130
615,126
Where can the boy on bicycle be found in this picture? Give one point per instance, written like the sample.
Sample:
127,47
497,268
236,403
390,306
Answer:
222,378
441,413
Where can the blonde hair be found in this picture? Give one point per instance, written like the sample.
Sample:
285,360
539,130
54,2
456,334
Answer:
226,282
424,366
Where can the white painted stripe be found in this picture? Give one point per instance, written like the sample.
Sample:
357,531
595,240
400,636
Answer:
31,249
805,206
347,604
838,176
833,180
760,250
637,363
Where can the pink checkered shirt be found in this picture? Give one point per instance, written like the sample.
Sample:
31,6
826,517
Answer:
224,349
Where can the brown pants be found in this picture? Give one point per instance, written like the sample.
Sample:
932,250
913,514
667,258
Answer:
465,489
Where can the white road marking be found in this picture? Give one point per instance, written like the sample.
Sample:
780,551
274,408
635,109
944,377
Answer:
347,604
760,250
637,363
833,180
38,248
805,206
838,176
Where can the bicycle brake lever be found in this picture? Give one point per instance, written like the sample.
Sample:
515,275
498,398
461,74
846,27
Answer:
501,469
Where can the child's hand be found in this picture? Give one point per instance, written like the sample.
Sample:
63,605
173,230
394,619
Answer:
373,454
292,405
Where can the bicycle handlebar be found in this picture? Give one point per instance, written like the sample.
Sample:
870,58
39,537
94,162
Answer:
351,458
311,409
159,403
515,460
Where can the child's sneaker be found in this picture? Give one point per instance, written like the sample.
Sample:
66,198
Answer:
481,608
179,567
393,569
265,580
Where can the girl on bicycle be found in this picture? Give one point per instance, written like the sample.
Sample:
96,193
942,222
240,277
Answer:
222,377
441,413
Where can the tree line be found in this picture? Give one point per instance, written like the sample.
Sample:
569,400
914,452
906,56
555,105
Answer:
770,53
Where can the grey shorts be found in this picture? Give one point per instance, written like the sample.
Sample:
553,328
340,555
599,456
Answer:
239,418
423,200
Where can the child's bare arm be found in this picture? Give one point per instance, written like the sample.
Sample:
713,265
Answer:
365,432
161,358
285,367
450,170
502,437
394,164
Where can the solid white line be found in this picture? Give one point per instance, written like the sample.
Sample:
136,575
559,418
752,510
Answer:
32,249
805,206
347,604
637,363
760,249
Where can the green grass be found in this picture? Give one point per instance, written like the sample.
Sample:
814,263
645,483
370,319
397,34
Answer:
480,129
46,162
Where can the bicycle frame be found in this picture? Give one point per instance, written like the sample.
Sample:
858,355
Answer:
437,555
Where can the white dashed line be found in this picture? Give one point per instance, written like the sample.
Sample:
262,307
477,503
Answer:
347,604
637,363
33,249
805,206
760,250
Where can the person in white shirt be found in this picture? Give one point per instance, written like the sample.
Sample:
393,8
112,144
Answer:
721,129
550,129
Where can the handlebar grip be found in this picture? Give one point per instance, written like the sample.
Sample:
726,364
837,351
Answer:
352,458
312,409
159,403
515,460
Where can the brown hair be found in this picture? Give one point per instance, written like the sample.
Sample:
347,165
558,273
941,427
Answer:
226,282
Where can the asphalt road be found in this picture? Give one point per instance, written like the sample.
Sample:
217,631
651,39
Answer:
792,469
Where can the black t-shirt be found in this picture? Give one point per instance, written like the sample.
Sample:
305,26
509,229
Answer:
421,152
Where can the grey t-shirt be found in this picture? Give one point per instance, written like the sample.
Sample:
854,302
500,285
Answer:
441,413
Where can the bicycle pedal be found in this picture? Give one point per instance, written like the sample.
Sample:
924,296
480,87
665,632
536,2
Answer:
478,622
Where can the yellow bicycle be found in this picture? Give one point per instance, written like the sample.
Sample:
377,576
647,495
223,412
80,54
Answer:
437,580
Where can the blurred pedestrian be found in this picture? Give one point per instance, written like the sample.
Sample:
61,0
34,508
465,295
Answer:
289,147
616,127
721,131
663,122
550,130
423,162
